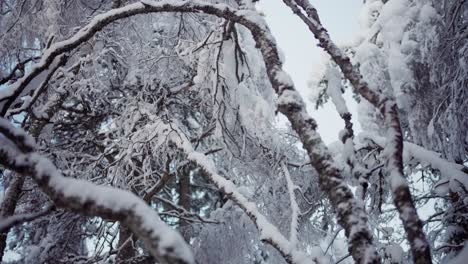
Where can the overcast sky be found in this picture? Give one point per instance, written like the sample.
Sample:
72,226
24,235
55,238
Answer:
340,17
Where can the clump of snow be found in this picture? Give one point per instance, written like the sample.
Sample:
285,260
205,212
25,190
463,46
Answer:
394,253
290,97
427,13
334,90
370,12
284,78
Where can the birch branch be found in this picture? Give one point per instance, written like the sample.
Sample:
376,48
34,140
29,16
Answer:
268,232
88,199
350,213
401,193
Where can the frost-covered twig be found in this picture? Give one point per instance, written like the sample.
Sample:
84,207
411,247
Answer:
452,173
333,240
13,193
346,136
343,258
42,87
268,232
93,200
349,212
9,222
401,194
18,67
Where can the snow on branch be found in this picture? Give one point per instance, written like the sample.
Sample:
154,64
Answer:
24,142
268,232
89,199
27,104
350,212
9,94
452,173
334,88
401,194
9,222
453,176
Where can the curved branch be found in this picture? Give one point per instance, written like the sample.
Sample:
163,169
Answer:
18,67
450,171
401,193
14,191
93,200
350,213
268,232
9,222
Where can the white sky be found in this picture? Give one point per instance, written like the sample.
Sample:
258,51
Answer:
297,43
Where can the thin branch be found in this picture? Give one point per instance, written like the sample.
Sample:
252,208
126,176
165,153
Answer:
333,240
343,258
88,199
401,194
18,67
9,222
350,213
268,232
38,91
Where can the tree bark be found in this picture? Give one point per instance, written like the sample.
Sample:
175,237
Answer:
402,197
184,200
9,205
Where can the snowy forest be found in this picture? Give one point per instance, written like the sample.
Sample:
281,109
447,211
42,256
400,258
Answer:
168,131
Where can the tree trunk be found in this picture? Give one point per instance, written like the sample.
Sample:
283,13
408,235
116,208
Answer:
184,200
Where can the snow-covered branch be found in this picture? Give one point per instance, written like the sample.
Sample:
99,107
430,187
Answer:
27,104
294,206
9,222
334,90
93,200
400,190
350,213
268,232
454,176
14,91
